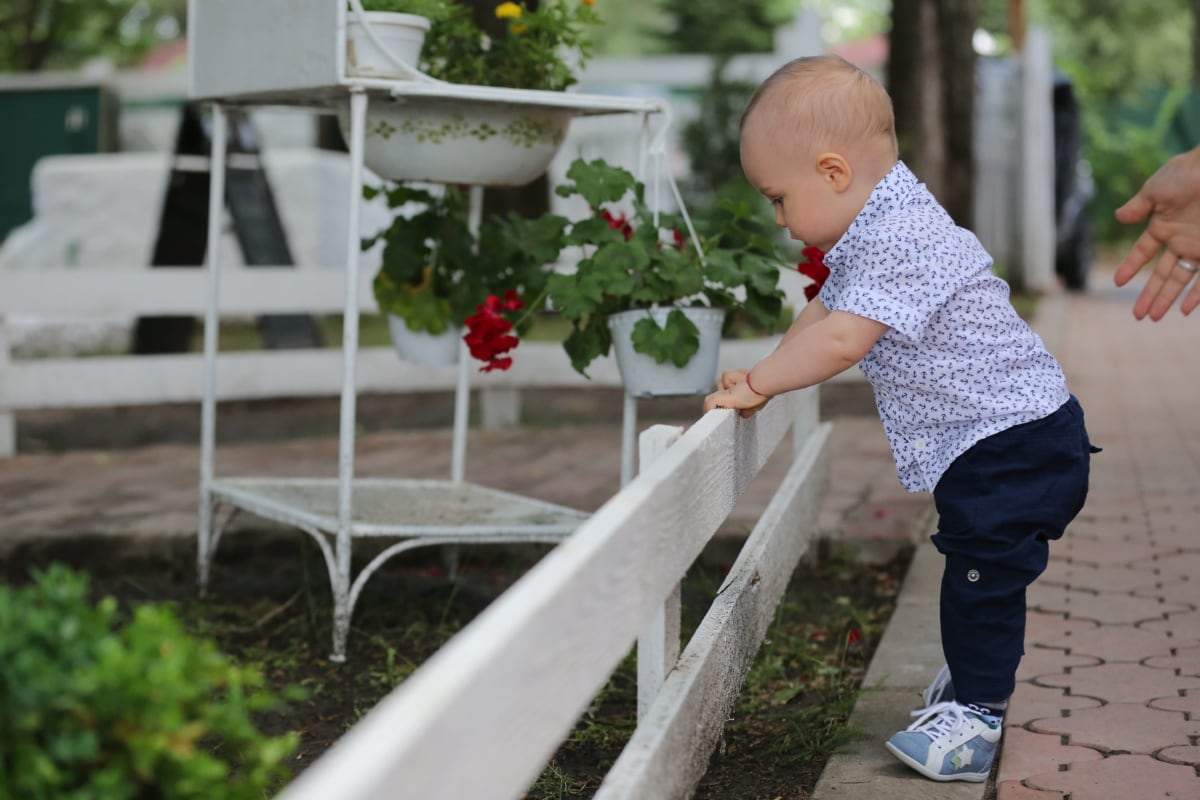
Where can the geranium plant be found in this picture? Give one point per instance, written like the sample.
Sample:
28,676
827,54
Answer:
437,274
541,48
813,267
631,261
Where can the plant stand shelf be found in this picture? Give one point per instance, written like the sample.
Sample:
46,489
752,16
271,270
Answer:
435,511
335,511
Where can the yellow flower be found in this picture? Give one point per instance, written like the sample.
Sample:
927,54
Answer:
508,11
518,28
588,2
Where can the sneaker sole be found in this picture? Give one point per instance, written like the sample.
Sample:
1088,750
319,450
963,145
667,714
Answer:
969,777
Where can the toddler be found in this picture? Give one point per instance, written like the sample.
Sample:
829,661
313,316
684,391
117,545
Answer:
974,407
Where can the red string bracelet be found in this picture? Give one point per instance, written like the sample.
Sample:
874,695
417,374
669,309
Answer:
751,387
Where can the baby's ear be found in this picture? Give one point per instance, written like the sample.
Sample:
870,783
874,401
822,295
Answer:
835,170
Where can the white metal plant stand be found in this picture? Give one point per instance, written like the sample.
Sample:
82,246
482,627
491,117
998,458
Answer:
231,64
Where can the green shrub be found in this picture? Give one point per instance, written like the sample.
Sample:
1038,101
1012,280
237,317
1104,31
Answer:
92,706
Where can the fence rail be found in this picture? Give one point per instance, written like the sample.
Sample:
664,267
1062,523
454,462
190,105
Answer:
97,381
503,693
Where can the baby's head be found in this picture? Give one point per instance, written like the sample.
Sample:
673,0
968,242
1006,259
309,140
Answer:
817,136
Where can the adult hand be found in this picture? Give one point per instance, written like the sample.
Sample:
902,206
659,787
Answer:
1171,200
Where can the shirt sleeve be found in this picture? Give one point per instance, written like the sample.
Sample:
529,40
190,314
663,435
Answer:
905,272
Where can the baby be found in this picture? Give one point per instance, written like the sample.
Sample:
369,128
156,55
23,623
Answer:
974,407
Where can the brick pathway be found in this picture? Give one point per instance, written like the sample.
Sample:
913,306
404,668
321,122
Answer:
151,492
1108,700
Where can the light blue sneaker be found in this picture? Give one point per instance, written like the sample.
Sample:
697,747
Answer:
941,690
949,742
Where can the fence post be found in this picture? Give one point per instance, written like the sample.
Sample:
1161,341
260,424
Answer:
658,643
8,423
500,407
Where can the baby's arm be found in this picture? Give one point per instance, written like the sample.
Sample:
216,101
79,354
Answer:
811,314
807,356
817,353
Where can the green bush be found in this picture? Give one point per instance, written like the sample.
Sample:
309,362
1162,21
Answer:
93,706
1125,145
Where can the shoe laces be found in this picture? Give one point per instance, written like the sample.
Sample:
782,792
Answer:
939,719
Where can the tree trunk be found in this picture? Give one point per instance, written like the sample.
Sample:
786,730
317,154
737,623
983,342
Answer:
914,80
931,77
958,20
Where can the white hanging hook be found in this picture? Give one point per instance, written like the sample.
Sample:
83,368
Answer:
658,155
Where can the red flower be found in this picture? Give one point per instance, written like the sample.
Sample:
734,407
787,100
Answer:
814,267
488,332
618,222
854,636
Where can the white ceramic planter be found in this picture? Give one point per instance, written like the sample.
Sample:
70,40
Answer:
645,377
402,34
418,347
455,141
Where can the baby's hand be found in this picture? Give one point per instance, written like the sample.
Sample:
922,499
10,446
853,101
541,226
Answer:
732,377
738,395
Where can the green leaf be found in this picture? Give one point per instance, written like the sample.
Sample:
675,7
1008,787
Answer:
597,182
594,231
721,266
677,341
574,296
586,343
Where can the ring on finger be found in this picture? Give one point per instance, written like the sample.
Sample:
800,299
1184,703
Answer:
1189,266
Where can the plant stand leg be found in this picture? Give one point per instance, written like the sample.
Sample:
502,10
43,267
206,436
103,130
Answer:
208,406
628,438
341,584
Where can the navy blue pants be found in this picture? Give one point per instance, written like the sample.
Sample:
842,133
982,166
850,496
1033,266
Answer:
999,505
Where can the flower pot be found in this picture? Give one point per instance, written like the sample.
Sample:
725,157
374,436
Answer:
645,377
418,347
445,140
402,34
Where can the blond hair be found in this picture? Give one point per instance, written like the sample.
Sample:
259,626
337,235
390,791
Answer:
826,101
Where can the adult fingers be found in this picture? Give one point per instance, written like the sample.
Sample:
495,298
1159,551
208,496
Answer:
1138,256
1192,300
1135,209
1169,280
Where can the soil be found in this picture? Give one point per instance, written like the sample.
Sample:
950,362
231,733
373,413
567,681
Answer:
269,604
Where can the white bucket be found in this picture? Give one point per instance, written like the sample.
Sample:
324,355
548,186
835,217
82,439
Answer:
402,34
418,347
645,377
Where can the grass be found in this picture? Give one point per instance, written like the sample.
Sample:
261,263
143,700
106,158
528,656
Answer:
792,711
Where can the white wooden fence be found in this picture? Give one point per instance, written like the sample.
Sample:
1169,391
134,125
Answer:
99,381
483,716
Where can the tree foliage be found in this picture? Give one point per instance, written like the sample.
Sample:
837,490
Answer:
64,34
1130,64
721,27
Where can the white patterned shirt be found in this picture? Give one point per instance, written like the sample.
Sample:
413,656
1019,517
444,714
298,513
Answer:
957,364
